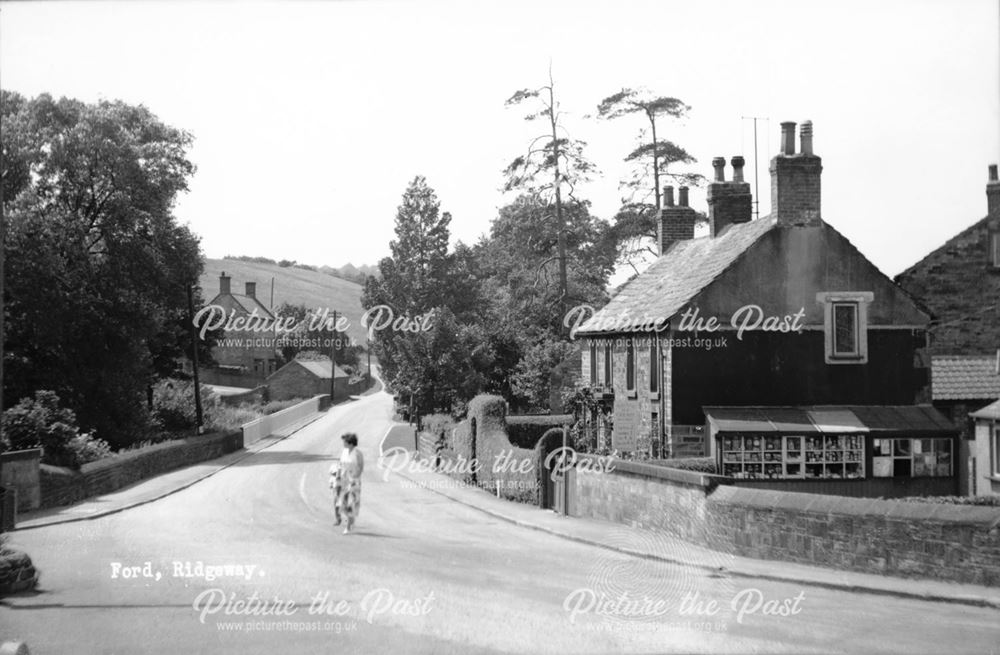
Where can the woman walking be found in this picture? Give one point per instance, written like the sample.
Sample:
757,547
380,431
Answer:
352,463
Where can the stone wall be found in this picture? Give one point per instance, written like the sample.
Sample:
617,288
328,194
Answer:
19,469
62,486
933,540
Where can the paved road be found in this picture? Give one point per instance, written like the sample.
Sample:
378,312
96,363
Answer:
421,574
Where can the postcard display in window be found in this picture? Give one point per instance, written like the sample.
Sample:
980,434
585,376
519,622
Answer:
769,457
918,458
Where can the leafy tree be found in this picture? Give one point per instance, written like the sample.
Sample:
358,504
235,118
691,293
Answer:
97,266
422,278
532,379
651,160
523,311
513,263
553,165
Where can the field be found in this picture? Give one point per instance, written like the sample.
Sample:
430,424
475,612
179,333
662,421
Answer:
316,290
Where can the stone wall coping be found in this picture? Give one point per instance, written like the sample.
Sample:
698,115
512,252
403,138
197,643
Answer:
118,458
984,516
694,478
14,455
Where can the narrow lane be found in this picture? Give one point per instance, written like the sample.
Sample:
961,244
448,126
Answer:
421,574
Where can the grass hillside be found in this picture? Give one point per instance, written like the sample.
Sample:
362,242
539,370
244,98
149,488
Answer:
293,285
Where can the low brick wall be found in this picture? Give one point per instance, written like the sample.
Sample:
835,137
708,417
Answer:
930,540
257,429
62,486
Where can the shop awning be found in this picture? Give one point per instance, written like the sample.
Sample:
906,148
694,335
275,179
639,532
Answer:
827,419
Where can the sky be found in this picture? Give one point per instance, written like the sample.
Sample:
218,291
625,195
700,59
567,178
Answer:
310,118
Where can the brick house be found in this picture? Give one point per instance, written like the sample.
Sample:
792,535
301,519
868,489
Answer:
822,328
305,379
244,357
959,283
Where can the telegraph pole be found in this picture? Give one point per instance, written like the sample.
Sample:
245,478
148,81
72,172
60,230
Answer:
194,358
756,179
333,357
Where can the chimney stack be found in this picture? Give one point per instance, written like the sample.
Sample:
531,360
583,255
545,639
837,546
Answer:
251,289
728,202
795,179
993,193
676,221
224,283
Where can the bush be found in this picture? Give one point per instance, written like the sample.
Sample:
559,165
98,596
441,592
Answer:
42,422
525,431
224,418
435,424
173,404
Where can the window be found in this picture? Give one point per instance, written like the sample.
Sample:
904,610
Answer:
630,365
608,377
846,326
995,432
995,249
654,366
911,458
593,364
845,329
764,457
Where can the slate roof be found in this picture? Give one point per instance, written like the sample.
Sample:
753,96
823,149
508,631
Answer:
964,297
320,368
675,278
827,419
955,377
248,303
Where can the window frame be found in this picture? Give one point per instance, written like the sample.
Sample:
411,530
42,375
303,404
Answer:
994,434
630,372
911,455
593,364
654,367
609,370
994,246
859,300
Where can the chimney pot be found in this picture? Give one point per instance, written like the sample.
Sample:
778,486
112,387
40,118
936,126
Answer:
738,163
719,164
682,198
795,180
806,137
993,193
788,138
668,196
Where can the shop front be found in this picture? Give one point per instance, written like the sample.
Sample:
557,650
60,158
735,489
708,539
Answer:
857,450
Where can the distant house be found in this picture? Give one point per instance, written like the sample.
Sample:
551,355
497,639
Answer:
824,333
986,480
244,356
305,379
